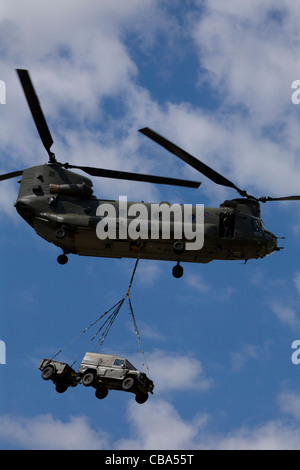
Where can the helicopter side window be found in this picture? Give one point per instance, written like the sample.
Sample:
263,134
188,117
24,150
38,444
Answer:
226,226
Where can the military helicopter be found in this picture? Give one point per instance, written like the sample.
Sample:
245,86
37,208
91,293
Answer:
59,204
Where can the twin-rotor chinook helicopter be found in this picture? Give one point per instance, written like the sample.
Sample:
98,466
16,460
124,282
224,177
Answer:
59,204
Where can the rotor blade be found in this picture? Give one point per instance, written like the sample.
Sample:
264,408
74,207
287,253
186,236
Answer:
35,109
284,198
134,176
7,176
192,161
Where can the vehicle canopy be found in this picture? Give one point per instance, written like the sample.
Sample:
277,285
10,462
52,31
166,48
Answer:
107,360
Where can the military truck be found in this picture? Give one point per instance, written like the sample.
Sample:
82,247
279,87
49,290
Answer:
107,372
61,374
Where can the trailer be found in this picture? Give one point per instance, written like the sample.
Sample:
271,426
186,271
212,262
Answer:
61,374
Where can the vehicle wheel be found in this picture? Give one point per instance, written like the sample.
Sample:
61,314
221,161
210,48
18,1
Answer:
48,372
177,271
88,379
101,392
62,259
128,383
141,397
61,388
178,247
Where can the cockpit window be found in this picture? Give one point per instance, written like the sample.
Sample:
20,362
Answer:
257,224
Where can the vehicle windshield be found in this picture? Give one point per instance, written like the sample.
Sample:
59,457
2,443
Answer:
123,363
119,362
129,365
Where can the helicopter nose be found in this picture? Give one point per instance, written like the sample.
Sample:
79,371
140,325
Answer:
271,240
25,211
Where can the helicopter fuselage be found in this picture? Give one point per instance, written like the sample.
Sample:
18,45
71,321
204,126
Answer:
60,206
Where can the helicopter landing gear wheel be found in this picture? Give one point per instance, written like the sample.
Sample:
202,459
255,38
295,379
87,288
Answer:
62,259
177,271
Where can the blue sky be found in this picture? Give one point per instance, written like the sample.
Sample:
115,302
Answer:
214,77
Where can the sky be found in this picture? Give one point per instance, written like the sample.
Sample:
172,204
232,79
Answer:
215,77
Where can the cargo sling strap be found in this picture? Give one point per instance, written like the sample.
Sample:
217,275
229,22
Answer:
107,324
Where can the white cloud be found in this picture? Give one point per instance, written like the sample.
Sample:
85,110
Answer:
152,332
159,426
75,72
285,313
171,371
155,425
273,435
77,58
248,351
44,432
297,282
148,273
250,55
250,52
281,295
196,282
289,403
166,429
